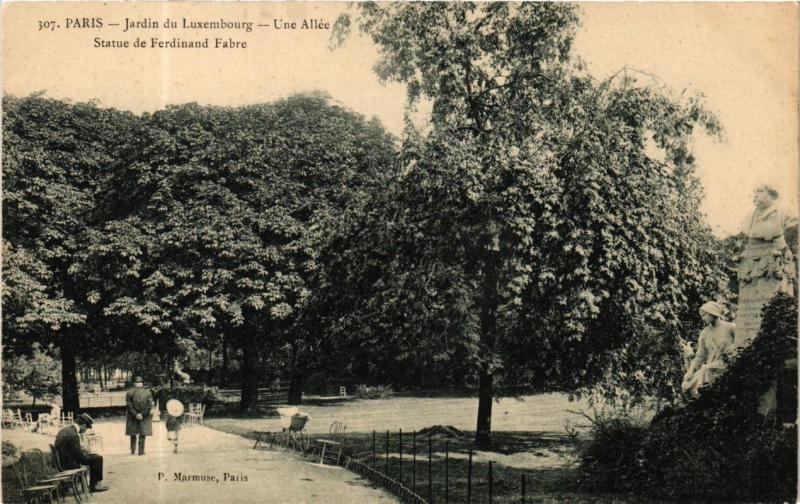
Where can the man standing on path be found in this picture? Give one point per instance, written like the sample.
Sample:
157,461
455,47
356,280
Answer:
138,422
71,455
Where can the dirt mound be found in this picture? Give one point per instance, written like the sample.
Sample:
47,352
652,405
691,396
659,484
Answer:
447,431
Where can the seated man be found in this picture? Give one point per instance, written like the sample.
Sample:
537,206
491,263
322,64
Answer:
71,455
715,341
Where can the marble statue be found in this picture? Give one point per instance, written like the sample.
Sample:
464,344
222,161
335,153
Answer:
715,342
180,373
766,266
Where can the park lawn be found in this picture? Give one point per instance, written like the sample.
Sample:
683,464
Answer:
558,484
536,446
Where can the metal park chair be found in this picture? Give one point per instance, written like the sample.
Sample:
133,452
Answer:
194,414
67,418
80,476
9,419
91,441
292,435
30,490
50,475
334,441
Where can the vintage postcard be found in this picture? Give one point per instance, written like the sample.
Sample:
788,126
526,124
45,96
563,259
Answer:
366,252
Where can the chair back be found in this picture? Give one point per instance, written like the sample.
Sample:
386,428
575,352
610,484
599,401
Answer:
22,420
298,423
337,429
286,416
21,474
54,458
67,417
35,464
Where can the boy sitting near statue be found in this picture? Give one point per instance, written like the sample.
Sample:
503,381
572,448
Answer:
715,342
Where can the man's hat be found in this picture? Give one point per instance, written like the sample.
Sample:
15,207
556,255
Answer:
712,308
85,419
137,379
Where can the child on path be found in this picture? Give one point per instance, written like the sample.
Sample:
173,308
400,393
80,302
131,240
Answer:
174,414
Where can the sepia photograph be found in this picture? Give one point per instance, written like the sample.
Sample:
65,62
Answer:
399,252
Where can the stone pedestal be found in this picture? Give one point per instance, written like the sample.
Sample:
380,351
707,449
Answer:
766,268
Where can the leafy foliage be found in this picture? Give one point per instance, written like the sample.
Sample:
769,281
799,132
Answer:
608,458
55,158
719,446
531,234
195,394
38,375
216,220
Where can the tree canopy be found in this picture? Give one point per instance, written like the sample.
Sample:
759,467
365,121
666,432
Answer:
55,158
220,217
541,220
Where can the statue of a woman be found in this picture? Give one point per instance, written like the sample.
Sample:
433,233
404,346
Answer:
766,267
713,344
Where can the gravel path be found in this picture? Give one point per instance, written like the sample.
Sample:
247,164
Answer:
214,467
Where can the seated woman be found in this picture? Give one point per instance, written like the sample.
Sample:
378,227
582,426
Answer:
715,341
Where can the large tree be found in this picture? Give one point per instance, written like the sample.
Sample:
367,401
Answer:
55,158
215,223
538,221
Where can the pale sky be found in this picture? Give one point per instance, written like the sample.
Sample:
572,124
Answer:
742,56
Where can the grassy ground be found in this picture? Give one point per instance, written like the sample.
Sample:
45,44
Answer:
533,444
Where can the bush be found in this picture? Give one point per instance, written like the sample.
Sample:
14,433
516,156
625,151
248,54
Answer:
608,457
716,447
185,394
38,375
376,392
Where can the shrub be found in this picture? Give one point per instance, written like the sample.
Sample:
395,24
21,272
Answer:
608,457
719,446
376,392
716,447
38,375
185,394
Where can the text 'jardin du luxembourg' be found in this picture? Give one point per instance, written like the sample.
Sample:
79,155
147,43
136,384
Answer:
178,33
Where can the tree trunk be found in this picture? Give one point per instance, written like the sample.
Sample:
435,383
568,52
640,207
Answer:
209,381
483,434
296,387
69,380
488,319
296,380
102,377
224,371
248,378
